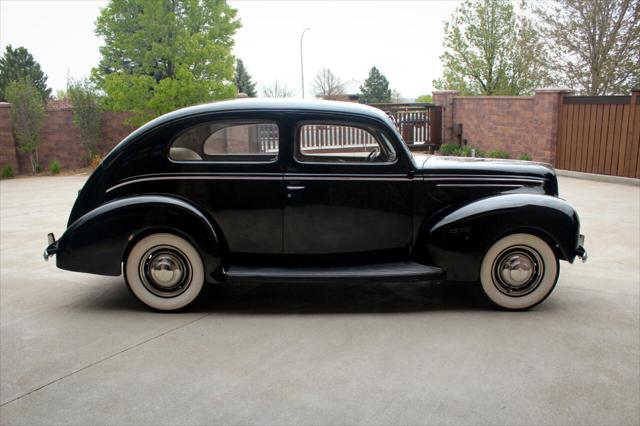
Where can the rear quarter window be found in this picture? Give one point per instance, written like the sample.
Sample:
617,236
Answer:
224,141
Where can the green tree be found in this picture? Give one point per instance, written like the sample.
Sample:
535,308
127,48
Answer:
27,117
160,55
593,46
19,64
87,113
375,88
243,80
489,50
424,99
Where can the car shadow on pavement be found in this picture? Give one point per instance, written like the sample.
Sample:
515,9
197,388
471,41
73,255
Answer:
310,298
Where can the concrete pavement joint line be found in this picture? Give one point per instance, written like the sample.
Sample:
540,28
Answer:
597,291
104,359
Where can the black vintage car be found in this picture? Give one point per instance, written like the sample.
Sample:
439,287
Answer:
255,190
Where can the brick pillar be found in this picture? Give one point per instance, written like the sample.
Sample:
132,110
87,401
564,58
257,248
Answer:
545,123
8,154
444,99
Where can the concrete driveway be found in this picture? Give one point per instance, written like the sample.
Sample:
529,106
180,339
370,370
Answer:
78,349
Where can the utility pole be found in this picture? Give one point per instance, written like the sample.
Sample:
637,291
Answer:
301,61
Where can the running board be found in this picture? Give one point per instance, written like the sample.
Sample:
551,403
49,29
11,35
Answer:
385,272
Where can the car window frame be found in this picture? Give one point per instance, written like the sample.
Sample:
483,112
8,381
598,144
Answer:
277,158
366,127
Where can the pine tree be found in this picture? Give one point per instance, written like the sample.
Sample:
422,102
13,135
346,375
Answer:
375,88
19,65
243,80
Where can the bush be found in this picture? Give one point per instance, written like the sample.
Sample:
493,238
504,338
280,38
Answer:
95,161
27,117
450,149
87,114
496,154
54,167
525,157
7,172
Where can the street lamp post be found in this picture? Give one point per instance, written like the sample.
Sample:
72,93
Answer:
301,61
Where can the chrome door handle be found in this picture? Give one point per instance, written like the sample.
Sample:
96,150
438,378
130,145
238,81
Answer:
295,188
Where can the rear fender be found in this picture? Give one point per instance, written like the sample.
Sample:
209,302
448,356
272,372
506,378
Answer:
98,241
458,239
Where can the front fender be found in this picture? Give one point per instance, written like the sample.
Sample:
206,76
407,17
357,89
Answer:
457,242
97,242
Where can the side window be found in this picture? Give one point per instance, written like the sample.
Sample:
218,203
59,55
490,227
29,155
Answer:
227,141
342,143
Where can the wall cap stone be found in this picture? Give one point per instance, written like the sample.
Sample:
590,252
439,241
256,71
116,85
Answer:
5,105
553,90
445,92
511,98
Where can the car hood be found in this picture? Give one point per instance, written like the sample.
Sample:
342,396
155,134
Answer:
437,165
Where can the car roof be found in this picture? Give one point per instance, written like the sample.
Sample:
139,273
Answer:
259,104
266,104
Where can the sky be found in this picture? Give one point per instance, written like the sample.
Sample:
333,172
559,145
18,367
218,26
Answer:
403,39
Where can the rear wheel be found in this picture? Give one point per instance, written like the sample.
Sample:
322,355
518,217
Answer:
519,271
164,271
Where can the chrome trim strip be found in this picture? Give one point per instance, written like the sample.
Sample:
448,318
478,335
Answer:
203,177
334,177
473,185
491,179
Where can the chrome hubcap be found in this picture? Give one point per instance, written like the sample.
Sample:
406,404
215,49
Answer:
165,271
518,271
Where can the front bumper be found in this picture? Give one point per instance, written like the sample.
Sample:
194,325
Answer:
52,248
581,252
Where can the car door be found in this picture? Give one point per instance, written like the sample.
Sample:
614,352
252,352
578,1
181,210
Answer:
347,191
229,165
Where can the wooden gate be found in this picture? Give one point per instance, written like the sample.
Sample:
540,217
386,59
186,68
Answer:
420,124
600,134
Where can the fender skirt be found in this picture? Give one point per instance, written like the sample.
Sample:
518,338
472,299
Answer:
97,242
458,241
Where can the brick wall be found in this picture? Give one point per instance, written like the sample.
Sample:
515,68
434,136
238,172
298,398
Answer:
514,124
59,139
497,123
8,156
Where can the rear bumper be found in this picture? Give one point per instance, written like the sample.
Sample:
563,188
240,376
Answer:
581,252
52,248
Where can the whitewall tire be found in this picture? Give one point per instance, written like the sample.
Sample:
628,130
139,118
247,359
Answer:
519,271
164,271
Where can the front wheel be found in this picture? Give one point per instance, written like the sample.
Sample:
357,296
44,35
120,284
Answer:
519,271
164,271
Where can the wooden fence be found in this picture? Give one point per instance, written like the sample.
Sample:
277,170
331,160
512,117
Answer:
419,125
600,134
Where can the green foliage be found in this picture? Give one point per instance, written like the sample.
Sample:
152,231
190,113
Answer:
424,99
455,150
27,117
6,172
160,55
375,88
450,149
489,50
496,154
19,64
54,167
243,80
87,113
525,157
593,46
